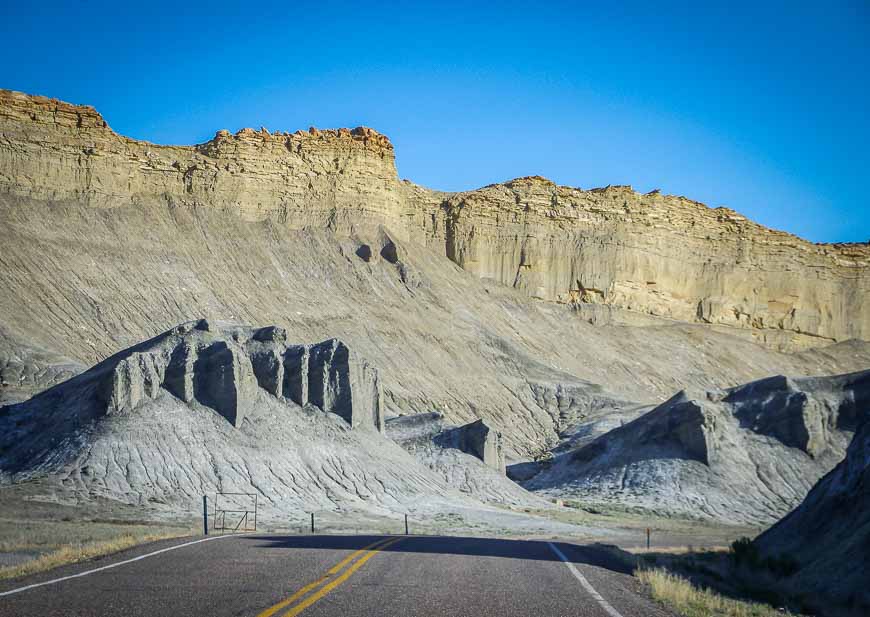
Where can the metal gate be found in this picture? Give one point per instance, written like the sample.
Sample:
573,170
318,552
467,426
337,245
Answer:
235,512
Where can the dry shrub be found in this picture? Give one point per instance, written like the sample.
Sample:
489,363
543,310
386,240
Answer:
691,601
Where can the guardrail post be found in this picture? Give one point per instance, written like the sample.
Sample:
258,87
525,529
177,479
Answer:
205,515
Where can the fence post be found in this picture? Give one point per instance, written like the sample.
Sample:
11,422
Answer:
312,522
205,515
647,538
406,524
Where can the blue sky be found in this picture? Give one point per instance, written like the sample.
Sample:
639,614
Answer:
759,108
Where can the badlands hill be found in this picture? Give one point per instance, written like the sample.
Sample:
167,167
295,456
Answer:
829,533
749,453
651,254
554,314
474,304
209,407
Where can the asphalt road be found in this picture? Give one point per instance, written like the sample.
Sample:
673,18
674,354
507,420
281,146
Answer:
270,575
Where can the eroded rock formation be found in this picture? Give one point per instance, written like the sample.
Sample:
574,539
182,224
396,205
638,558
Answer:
477,439
469,458
660,255
652,254
746,454
829,532
153,449
217,407
222,366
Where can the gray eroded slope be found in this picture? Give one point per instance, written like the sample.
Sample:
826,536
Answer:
748,454
829,532
84,281
428,438
210,407
26,370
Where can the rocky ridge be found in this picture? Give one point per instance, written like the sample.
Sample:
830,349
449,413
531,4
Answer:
829,532
747,454
107,244
209,407
222,368
468,457
649,254
221,365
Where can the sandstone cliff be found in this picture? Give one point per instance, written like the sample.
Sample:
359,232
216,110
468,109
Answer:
660,255
334,179
650,254
104,244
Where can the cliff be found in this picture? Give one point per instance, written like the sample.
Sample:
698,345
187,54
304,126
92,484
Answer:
108,241
649,254
327,179
660,255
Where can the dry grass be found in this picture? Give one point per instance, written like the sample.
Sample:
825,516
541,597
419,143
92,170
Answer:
54,543
690,601
666,530
676,550
40,535
73,553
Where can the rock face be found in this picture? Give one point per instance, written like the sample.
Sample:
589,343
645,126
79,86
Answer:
338,179
218,407
468,458
660,255
106,244
477,439
829,532
222,366
651,254
748,454
328,376
802,413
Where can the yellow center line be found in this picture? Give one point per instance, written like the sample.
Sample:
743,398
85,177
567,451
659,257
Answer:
338,581
336,568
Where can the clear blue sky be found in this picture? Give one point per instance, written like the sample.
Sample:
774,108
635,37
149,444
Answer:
763,109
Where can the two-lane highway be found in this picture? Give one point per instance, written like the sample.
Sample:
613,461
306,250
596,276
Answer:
278,576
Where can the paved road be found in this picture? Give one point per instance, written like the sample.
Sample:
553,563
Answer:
272,576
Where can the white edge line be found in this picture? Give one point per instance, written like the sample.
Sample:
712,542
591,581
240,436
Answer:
586,584
111,565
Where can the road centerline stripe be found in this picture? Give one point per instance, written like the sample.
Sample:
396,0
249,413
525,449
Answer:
586,584
338,581
323,579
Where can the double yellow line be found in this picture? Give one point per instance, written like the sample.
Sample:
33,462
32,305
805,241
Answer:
327,583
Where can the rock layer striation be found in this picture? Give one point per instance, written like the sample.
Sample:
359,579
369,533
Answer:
646,253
